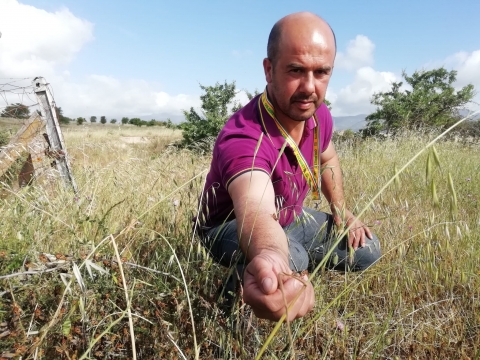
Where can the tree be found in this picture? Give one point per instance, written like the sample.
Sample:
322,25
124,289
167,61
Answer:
80,120
113,121
237,106
252,95
17,111
468,129
61,118
135,121
169,124
93,119
125,120
103,120
138,122
328,103
431,101
152,123
216,101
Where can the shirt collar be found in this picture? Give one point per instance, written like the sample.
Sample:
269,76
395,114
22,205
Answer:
271,129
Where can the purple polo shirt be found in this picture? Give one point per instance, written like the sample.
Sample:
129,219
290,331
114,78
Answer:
233,155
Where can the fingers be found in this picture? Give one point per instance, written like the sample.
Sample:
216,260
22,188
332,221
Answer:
357,236
368,232
309,299
295,299
296,294
362,237
299,296
263,275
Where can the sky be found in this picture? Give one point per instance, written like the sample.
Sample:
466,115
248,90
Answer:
147,58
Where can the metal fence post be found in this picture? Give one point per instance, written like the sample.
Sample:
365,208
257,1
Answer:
55,138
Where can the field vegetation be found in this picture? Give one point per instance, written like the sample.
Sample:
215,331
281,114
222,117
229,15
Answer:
8,127
115,269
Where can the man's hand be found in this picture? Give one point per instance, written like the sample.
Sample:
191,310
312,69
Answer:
358,230
265,245
263,292
332,188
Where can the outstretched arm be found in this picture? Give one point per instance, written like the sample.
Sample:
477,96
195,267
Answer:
332,189
265,245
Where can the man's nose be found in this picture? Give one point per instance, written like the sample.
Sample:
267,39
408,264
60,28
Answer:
308,84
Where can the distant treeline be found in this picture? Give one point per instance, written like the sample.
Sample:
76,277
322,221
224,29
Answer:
21,111
425,100
125,120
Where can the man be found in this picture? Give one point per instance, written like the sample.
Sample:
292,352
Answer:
252,207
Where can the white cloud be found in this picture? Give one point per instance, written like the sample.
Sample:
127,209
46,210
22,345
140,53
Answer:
114,98
242,97
359,54
35,42
354,98
466,64
468,72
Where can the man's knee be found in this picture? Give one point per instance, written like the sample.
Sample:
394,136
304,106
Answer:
222,243
298,256
367,255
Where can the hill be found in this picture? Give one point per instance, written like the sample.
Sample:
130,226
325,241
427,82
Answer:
355,122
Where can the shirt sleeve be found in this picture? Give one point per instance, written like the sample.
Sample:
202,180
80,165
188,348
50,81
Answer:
241,153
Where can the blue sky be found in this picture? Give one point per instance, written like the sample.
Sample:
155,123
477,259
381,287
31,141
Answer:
146,58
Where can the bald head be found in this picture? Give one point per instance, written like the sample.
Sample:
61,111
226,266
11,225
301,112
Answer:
302,21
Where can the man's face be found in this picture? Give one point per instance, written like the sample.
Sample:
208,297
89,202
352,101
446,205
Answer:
298,79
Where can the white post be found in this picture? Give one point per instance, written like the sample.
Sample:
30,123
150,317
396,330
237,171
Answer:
55,138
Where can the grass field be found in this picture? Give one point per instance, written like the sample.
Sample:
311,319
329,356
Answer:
127,273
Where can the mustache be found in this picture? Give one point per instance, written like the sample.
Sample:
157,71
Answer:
303,97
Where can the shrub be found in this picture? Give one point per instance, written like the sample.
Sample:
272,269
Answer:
217,101
4,138
431,102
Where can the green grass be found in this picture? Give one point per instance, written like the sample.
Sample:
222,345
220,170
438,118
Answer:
8,128
421,301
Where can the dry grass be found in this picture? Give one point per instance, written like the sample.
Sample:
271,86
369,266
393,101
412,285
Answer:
421,301
10,123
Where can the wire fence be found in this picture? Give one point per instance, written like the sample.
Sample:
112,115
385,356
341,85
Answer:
17,98
29,131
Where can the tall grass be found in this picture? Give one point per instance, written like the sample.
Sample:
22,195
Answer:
420,301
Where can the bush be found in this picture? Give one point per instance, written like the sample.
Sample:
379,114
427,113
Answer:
216,102
4,138
468,129
136,121
431,102
17,111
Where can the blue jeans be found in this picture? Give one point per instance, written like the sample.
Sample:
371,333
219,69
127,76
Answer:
310,237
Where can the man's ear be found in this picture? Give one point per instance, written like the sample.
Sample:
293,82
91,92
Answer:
268,69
